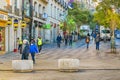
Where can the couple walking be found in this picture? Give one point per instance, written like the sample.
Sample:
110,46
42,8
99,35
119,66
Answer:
33,49
97,41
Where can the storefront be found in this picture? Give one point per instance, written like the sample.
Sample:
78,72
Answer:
3,24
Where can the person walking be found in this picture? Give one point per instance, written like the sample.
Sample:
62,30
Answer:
70,39
87,40
25,52
97,40
33,50
39,43
19,41
66,39
59,38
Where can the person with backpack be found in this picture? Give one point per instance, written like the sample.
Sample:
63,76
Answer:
33,50
87,40
25,52
39,43
97,40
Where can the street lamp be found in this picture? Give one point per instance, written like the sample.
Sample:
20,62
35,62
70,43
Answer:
30,16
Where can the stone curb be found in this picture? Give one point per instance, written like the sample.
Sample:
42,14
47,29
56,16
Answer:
62,69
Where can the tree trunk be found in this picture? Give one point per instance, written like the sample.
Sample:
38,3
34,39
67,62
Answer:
113,48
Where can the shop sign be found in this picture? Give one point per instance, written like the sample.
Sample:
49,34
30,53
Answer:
16,23
23,24
3,17
47,26
9,21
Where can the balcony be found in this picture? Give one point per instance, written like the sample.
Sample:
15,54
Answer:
17,11
46,1
35,14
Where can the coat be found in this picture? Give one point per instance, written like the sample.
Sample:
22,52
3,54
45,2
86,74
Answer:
33,48
59,38
26,49
87,40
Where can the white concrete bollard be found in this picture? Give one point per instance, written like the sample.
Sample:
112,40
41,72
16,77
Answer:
68,64
22,65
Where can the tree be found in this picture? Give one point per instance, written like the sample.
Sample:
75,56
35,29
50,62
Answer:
107,16
80,16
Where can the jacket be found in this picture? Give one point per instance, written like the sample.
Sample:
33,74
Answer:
26,49
39,42
33,48
87,40
59,38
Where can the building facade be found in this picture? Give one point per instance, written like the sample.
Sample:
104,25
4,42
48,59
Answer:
46,16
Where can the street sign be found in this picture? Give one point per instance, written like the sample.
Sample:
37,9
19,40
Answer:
15,22
9,21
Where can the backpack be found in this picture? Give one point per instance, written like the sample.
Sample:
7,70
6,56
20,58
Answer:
87,39
97,39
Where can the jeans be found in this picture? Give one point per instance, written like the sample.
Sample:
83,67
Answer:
66,41
33,57
40,48
58,44
70,42
25,56
97,45
87,45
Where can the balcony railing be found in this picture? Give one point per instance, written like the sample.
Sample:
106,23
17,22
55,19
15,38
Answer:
17,11
35,14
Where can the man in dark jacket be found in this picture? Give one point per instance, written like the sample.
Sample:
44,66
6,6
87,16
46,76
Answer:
25,52
97,40
70,39
59,38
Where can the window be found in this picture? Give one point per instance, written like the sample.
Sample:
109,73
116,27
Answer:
39,9
51,10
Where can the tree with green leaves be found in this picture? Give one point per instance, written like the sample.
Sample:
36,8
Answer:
106,15
80,16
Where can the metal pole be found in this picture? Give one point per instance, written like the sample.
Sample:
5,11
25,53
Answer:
22,10
31,19
22,16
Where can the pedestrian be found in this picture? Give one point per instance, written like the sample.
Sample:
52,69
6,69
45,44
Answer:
70,39
25,52
39,43
97,40
78,36
66,39
87,40
59,38
33,50
93,36
19,41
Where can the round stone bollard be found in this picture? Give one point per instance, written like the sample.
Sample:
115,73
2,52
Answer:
68,65
22,65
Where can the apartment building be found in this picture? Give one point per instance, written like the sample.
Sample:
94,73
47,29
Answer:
46,16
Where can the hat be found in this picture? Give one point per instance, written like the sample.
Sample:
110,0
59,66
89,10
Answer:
25,41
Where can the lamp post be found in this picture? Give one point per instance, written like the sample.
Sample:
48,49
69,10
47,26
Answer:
31,19
30,16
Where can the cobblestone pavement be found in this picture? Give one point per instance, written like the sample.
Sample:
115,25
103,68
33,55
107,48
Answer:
94,65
